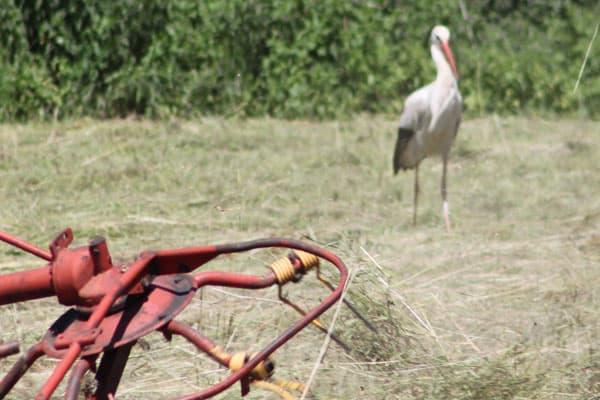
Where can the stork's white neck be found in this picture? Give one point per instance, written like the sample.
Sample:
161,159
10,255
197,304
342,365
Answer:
444,71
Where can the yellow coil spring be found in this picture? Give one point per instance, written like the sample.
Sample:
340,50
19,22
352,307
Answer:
284,270
237,361
263,370
308,260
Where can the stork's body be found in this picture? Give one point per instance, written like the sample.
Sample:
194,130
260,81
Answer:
430,119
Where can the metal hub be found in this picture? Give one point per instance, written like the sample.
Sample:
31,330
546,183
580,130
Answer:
141,314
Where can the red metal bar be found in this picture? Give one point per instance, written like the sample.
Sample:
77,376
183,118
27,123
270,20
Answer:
200,341
77,373
59,372
230,279
183,260
8,349
26,285
287,335
19,368
294,329
23,245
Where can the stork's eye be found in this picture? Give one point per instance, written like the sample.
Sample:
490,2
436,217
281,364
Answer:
437,38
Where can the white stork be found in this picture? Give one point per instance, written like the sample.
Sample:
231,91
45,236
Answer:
430,119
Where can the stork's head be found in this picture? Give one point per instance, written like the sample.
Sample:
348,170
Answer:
440,38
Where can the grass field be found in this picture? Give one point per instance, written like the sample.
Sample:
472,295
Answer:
505,306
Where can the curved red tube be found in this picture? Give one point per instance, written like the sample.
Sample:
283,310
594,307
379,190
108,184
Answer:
294,329
19,368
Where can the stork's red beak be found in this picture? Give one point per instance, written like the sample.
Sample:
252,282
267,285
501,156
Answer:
450,57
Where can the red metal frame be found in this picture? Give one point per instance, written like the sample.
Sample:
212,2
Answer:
115,305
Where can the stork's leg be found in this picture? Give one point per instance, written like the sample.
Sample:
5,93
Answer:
445,192
416,195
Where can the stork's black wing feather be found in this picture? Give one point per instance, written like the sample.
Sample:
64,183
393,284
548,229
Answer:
404,136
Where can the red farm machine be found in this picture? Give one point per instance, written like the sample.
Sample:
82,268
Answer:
112,306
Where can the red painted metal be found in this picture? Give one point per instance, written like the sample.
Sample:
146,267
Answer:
228,279
200,341
139,315
71,271
77,372
8,349
26,285
19,368
23,245
115,305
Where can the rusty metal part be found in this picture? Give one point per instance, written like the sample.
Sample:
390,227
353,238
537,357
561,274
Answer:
167,296
23,245
84,365
8,349
200,341
71,271
115,305
234,362
19,368
27,285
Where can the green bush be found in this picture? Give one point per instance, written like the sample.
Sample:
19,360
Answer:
288,58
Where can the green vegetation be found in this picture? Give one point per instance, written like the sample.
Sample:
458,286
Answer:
506,306
289,58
